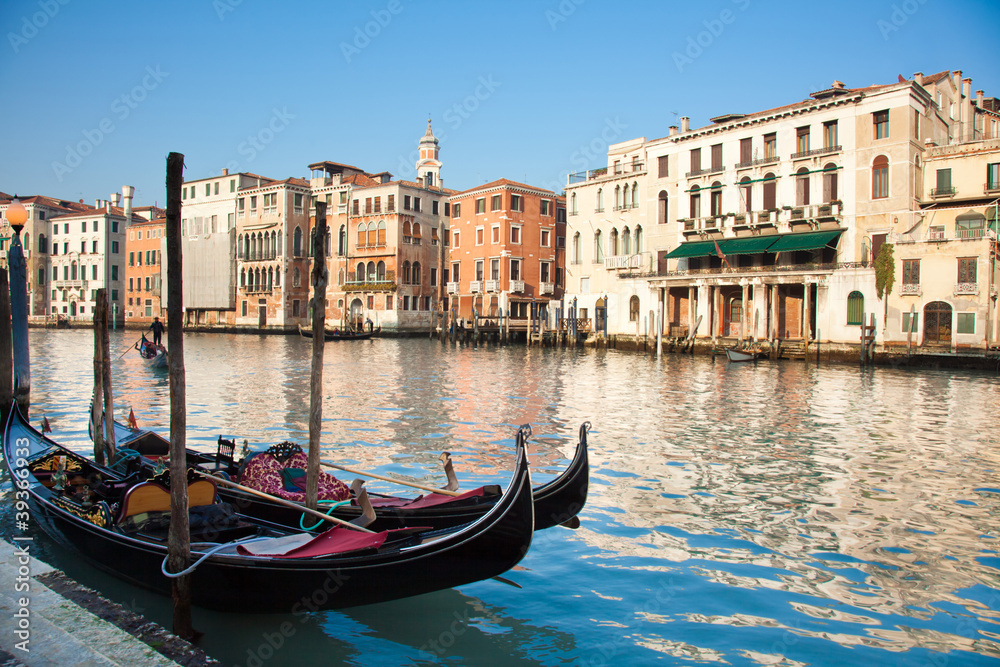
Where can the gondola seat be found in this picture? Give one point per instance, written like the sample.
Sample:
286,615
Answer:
150,497
276,475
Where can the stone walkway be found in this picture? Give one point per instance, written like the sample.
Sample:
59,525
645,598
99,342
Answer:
56,631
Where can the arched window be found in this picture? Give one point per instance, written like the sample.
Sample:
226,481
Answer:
42,244
239,247
577,256
746,195
598,247
329,243
829,183
380,271
297,242
277,277
406,229
274,245
359,273
381,233
416,273
638,239
406,273
880,177
618,196
695,201
855,308
296,277
243,278
633,309
802,187
72,271
572,204
253,247
370,272
600,200
626,242
342,241
613,243
416,231
372,234
716,199
270,278
362,234
770,192
635,195
662,208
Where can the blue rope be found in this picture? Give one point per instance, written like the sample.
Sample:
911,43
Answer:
334,504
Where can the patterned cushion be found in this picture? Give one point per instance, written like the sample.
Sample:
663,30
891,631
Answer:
263,472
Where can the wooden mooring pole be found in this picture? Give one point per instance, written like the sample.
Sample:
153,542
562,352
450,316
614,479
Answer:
179,536
318,279
6,347
18,277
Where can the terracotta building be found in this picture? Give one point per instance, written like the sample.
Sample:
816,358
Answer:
145,248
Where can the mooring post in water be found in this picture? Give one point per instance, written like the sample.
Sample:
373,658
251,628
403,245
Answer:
179,537
6,348
109,401
17,215
100,405
318,279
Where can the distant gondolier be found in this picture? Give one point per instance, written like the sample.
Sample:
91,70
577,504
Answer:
157,328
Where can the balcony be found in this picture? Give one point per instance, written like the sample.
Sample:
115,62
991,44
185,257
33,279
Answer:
826,150
910,289
517,286
966,233
966,289
547,288
944,192
991,188
476,286
711,224
492,285
633,261
747,164
452,288
69,284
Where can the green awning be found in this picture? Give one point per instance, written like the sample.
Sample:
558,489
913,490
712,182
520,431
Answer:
748,245
806,241
693,249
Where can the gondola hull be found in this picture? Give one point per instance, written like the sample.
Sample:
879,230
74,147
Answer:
487,547
341,335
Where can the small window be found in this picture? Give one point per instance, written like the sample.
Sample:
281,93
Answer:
516,203
802,140
662,166
855,309
480,205
911,271
965,323
456,210
633,309
495,203
880,177
881,122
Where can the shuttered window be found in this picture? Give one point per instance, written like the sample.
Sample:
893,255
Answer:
855,308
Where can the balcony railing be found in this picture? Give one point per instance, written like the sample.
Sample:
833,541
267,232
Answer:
991,188
452,288
476,286
546,288
633,261
944,192
826,150
517,286
695,173
973,233
746,164
910,289
966,289
69,284
492,285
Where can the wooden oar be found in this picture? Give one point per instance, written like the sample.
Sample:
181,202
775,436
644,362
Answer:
282,501
129,349
354,471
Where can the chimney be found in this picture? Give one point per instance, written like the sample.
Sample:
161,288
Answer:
128,191
966,88
107,206
956,78
979,99
919,77
97,203
685,123
115,198
673,130
225,171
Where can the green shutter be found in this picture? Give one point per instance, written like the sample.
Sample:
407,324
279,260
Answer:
855,309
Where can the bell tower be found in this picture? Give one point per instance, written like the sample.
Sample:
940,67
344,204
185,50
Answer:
429,166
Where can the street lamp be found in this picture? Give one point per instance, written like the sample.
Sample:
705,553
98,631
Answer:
16,216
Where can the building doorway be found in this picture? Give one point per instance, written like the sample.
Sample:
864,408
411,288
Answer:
937,323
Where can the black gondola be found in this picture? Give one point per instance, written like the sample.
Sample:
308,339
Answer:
91,516
557,502
337,334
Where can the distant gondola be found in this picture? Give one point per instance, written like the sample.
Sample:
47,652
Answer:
153,355
337,334
245,568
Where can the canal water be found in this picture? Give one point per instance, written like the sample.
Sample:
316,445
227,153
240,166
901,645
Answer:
739,514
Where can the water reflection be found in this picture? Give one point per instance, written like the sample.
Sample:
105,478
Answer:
745,514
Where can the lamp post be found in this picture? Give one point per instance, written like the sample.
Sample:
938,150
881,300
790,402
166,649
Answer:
16,216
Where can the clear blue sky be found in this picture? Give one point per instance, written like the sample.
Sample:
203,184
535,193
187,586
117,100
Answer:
96,93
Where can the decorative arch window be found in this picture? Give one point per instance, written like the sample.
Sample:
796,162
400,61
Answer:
340,277
695,202
277,277
406,273
372,237
359,272
380,270
618,197
239,248
613,243
770,192
416,273
407,229
638,239
342,241
297,242
598,247
329,243
296,277
716,199
635,195
880,177
746,195
802,187
370,272
829,182
626,241
416,230
243,278
381,233
270,278
72,271
600,200
633,309
253,247
855,308
577,257
362,234
572,204
662,207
